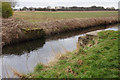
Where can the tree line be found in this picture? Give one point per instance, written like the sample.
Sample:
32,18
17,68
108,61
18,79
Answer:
62,8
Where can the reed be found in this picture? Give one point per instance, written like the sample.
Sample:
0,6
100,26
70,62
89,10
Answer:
17,31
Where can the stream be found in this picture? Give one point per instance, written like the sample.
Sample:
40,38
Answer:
23,57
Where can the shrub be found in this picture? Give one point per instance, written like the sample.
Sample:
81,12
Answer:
7,11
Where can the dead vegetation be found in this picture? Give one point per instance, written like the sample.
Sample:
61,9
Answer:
16,30
13,31
56,27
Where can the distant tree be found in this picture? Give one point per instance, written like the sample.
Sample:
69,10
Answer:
48,7
24,8
112,8
74,7
107,8
32,9
93,6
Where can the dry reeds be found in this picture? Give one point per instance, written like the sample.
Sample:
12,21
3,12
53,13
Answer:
16,31
56,27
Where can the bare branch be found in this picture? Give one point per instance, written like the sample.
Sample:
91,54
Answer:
13,2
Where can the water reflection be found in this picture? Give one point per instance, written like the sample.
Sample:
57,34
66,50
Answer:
24,47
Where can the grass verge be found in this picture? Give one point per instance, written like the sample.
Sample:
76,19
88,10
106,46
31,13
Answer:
97,61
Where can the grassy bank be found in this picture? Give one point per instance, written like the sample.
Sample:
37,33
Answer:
97,61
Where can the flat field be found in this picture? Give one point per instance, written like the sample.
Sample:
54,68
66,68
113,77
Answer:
44,16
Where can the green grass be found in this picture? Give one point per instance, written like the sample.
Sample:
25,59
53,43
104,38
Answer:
98,61
35,17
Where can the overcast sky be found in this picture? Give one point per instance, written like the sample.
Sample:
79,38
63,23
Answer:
67,3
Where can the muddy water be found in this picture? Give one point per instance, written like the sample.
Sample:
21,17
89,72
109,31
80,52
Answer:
23,57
